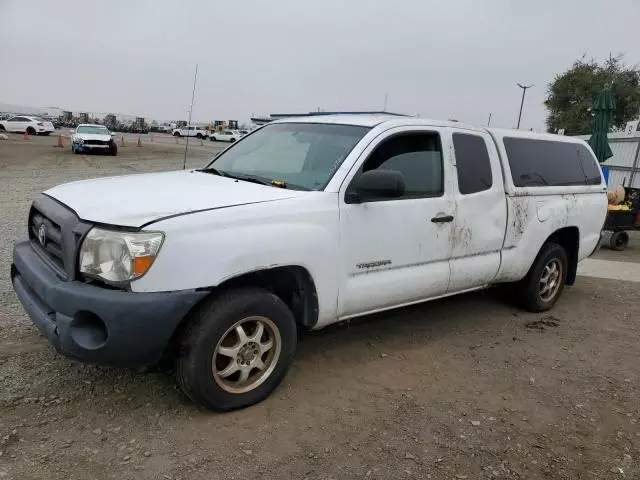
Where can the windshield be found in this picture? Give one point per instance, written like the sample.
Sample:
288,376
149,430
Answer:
304,155
98,130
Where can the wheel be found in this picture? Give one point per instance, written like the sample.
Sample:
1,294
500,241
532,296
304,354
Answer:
236,349
113,149
176,134
233,140
542,286
74,150
619,241
2,129
199,136
213,139
31,131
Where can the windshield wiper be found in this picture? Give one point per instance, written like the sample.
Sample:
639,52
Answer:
215,171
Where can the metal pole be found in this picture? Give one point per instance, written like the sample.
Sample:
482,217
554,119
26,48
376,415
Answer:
524,91
193,94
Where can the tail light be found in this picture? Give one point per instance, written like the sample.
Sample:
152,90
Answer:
40,124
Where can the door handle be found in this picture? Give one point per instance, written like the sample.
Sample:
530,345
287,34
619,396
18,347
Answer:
442,219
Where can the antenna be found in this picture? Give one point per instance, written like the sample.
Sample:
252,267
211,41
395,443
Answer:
384,108
193,94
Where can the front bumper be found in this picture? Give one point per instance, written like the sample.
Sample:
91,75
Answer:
95,324
83,146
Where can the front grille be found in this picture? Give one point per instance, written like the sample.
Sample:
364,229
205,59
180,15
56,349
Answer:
47,235
55,232
96,142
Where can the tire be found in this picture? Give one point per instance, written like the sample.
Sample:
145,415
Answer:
113,149
530,288
233,140
213,139
209,329
619,241
176,134
2,129
74,150
199,136
31,131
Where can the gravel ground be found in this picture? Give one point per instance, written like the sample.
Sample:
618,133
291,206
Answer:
464,388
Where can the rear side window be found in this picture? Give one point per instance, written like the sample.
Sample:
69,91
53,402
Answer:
537,163
472,163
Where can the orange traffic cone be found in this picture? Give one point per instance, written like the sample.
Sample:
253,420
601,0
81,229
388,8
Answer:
139,144
122,140
26,136
59,142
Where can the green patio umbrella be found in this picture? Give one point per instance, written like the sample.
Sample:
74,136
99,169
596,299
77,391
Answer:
602,111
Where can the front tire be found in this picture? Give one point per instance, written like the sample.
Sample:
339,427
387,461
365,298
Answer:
213,139
113,149
199,136
544,283
236,349
233,140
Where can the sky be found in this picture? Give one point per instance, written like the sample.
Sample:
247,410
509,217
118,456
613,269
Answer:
443,59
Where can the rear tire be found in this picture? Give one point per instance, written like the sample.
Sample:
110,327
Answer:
203,372
233,140
31,131
213,139
199,136
544,282
619,241
2,129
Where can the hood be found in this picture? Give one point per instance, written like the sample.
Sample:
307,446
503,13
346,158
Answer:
92,136
135,200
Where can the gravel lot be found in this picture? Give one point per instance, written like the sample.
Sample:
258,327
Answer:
464,388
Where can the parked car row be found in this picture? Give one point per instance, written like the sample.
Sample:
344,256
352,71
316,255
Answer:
199,132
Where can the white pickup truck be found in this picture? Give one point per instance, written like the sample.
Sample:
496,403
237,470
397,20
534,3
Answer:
301,224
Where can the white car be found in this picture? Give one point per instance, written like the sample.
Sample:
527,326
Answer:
28,124
225,136
89,137
191,131
304,223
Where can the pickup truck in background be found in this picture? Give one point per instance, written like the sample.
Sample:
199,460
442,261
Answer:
303,223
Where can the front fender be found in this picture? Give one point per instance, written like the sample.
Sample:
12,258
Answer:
203,250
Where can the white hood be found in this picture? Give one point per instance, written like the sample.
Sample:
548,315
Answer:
92,136
135,200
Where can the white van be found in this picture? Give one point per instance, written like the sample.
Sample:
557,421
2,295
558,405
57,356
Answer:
300,224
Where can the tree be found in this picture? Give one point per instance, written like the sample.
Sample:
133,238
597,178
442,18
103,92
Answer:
570,94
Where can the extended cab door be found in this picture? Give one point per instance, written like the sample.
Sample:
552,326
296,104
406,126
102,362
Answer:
481,211
396,251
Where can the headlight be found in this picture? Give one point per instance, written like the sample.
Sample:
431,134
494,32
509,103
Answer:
118,257
78,140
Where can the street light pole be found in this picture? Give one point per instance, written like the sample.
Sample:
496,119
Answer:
524,91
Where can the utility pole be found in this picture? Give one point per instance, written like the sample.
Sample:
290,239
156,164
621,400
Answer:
524,91
193,95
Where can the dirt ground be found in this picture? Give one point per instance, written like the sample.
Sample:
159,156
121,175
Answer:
464,388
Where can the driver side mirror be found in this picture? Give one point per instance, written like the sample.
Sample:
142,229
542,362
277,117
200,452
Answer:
376,184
